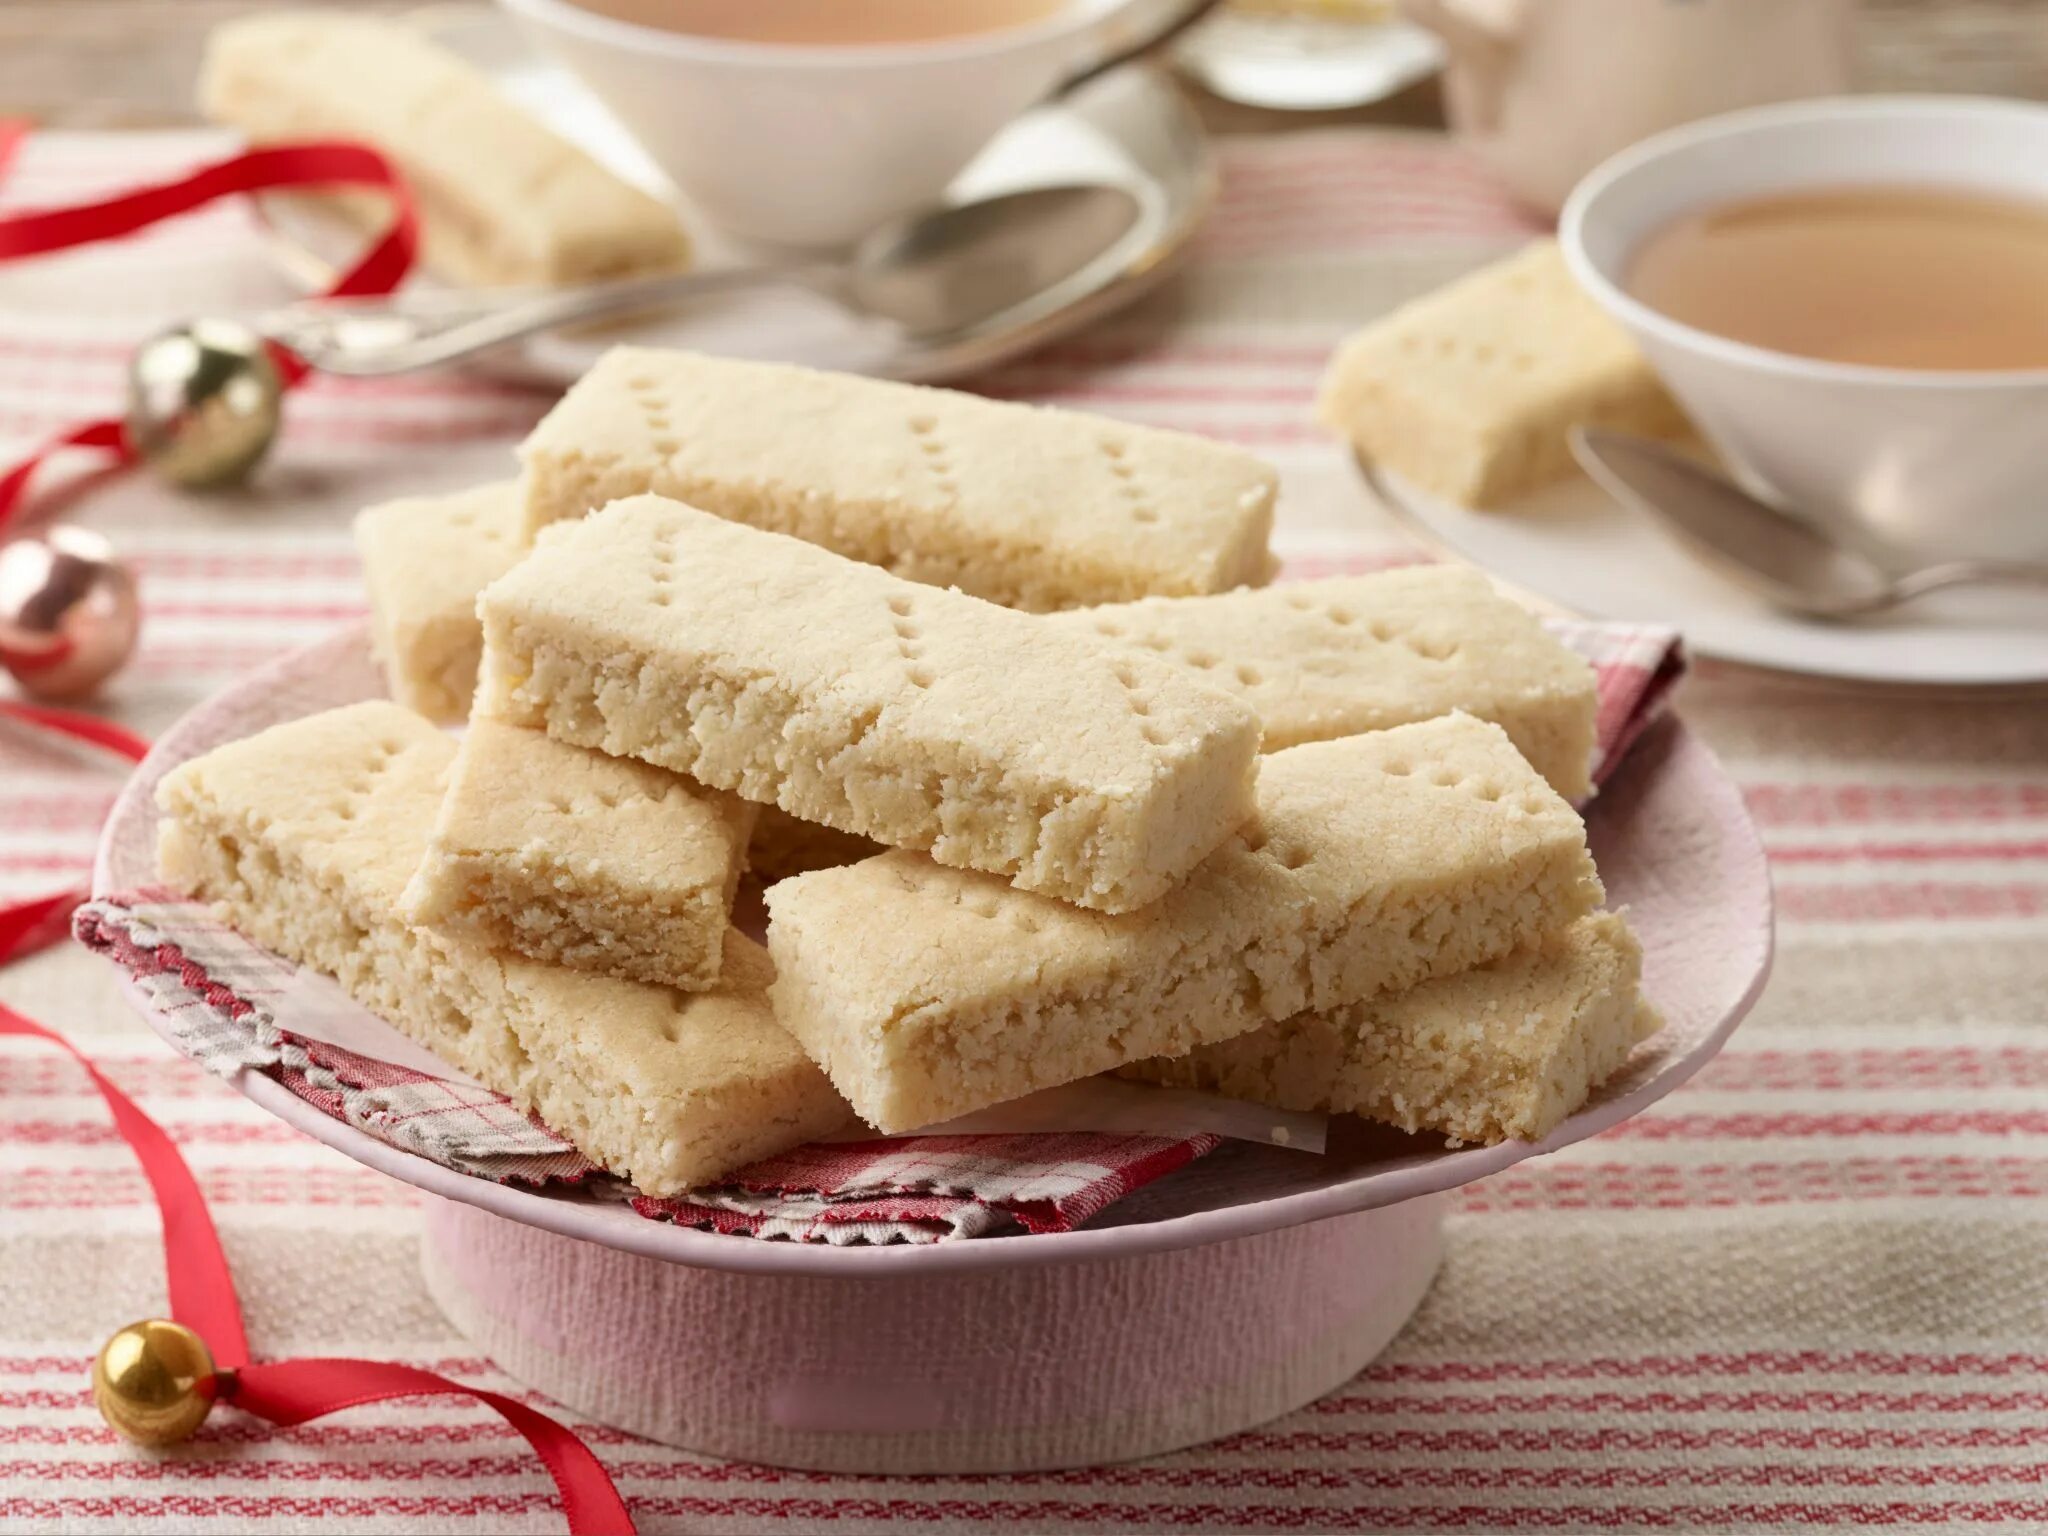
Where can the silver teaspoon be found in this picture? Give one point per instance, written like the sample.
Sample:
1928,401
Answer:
1788,564
941,271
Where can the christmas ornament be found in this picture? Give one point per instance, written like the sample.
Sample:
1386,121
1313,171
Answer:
68,612
154,1383
204,402
204,399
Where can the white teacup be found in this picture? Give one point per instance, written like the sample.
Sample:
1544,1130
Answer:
1927,465
817,145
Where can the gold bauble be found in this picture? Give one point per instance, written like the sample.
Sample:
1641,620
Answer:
154,1382
204,402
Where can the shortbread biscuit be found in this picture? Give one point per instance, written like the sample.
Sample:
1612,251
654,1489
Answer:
1468,393
502,198
424,561
566,855
1377,862
919,717
306,835
1025,506
1319,659
1500,1053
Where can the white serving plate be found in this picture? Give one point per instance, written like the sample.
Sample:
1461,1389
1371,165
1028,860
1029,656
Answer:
1572,545
1130,129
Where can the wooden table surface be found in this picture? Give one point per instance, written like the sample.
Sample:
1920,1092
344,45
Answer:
131,63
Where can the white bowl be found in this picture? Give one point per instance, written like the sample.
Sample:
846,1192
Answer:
1917,464
814,146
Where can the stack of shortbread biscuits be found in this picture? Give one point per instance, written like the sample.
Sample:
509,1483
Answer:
1040,781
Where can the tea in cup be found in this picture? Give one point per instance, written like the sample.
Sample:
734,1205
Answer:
1850,300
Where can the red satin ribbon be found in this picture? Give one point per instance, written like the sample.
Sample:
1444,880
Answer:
90,729
285,166
202,1288
41,921
288,1392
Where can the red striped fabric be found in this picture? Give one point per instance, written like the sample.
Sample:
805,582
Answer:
1804,1292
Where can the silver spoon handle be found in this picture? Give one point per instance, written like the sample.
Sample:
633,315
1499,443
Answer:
1957,573
383,336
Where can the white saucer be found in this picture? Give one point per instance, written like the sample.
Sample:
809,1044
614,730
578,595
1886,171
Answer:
1307,63
1574,547
1131,129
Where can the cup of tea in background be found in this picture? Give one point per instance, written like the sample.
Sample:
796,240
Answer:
810,122
1542,91
1850,300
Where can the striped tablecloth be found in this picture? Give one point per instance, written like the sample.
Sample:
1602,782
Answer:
1811,1288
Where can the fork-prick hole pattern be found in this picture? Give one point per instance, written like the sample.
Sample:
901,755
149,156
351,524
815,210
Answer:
654,412
937,458
909,642
359,788
662,569
1140,703
1287,855
977,903
1477,786
1387,631
1128,485
672,1026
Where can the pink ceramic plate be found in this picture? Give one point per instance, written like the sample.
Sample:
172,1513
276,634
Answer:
1674,845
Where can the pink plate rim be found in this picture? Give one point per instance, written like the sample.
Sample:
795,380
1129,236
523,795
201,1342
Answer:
1670,749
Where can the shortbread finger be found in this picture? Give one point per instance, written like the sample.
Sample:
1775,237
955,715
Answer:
915,716
306,834
1377,862
1025,506
503,198
1500,1053
1320,659
1468,393
425,558
567,855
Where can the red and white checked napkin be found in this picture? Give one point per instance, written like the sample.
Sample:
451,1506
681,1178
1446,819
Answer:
228,1005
